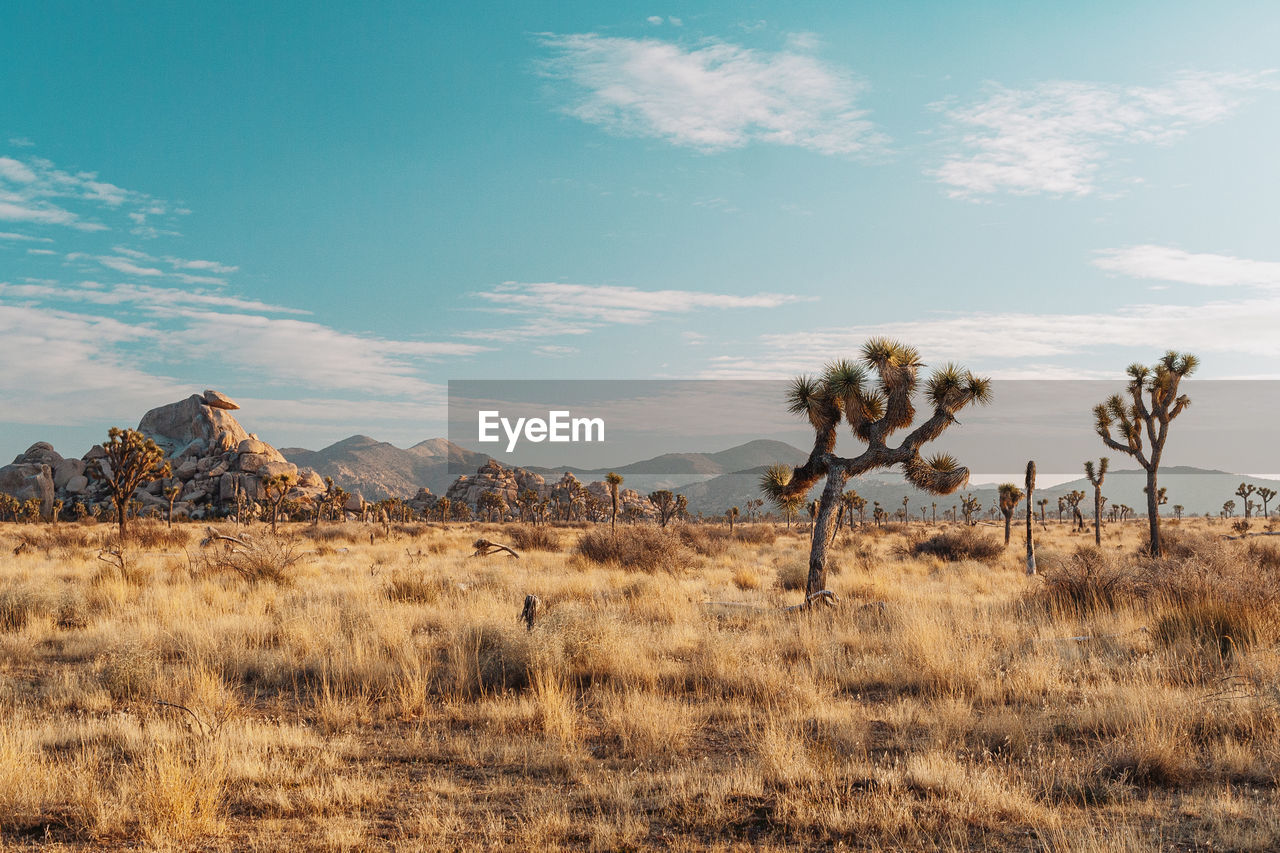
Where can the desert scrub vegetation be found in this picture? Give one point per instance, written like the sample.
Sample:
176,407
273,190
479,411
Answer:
389,698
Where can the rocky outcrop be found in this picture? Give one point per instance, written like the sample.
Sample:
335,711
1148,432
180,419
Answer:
508,483
212,458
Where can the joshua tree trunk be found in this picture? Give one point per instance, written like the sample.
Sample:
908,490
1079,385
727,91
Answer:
822,533
1008,519
1031,545
1153,508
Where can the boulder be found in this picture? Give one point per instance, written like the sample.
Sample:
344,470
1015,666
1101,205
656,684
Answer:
27,480
309,479
251,463
175,426
218,400
272,469
77,485
188,469
355,502
65,470
40,453
252,445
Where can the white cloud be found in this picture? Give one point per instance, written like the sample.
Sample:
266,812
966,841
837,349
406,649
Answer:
1165,263
83,371
989,339
286,350
711,97
126,266
34,190
593,304
10,235
554,351
1053,138
656,20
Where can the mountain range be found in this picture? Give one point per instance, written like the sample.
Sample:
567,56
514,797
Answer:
715,481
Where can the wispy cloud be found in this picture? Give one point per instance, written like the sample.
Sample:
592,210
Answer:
1054,138
1165,263
711,96
33,190
555,308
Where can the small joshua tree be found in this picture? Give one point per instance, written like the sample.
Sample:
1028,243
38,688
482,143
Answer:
874,409
442,506
1073,501
1152,414
1096,476
1008,501
666,504
968,506
732,515
274,488
171,493
1245,491
1266,495
613,480
1178,509
131,460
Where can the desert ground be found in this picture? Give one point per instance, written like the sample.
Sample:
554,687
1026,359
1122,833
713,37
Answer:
370,687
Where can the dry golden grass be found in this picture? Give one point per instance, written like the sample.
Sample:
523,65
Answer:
383,695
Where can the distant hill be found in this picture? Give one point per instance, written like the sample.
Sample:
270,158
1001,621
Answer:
1198,490
380,470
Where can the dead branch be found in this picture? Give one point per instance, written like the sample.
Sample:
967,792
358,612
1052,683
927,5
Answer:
485,548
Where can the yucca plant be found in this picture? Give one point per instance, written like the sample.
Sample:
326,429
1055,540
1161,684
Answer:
874,397
1151,414
613,479
1096,476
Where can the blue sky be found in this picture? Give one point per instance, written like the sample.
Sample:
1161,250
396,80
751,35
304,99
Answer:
327,211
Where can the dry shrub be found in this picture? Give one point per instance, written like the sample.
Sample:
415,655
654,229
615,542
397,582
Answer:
417,588
964,543
529,538
793,576
20,605
488,657
707,541
268,558
637,549
61,537
756,534
128,669
154,535
746,578
1087,580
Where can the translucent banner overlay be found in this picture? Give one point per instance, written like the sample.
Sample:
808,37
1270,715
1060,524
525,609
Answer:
673,431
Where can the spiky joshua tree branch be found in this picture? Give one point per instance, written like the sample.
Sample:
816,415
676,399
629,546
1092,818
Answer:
874,398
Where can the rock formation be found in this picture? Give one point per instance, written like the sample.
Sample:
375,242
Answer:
212,457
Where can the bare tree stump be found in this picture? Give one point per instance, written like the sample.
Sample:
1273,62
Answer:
529,614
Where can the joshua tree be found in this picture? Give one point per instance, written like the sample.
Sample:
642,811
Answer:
442,506
1162,495
274,488
171,493
1031,544
1042,503
666,504
1178,509
906,515
682,506
1073,501
1266,495
1245,490
1162,404
1229,509
1008,500
613,480
131,460
732,515
874,410
1096,476
491,504
968,506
